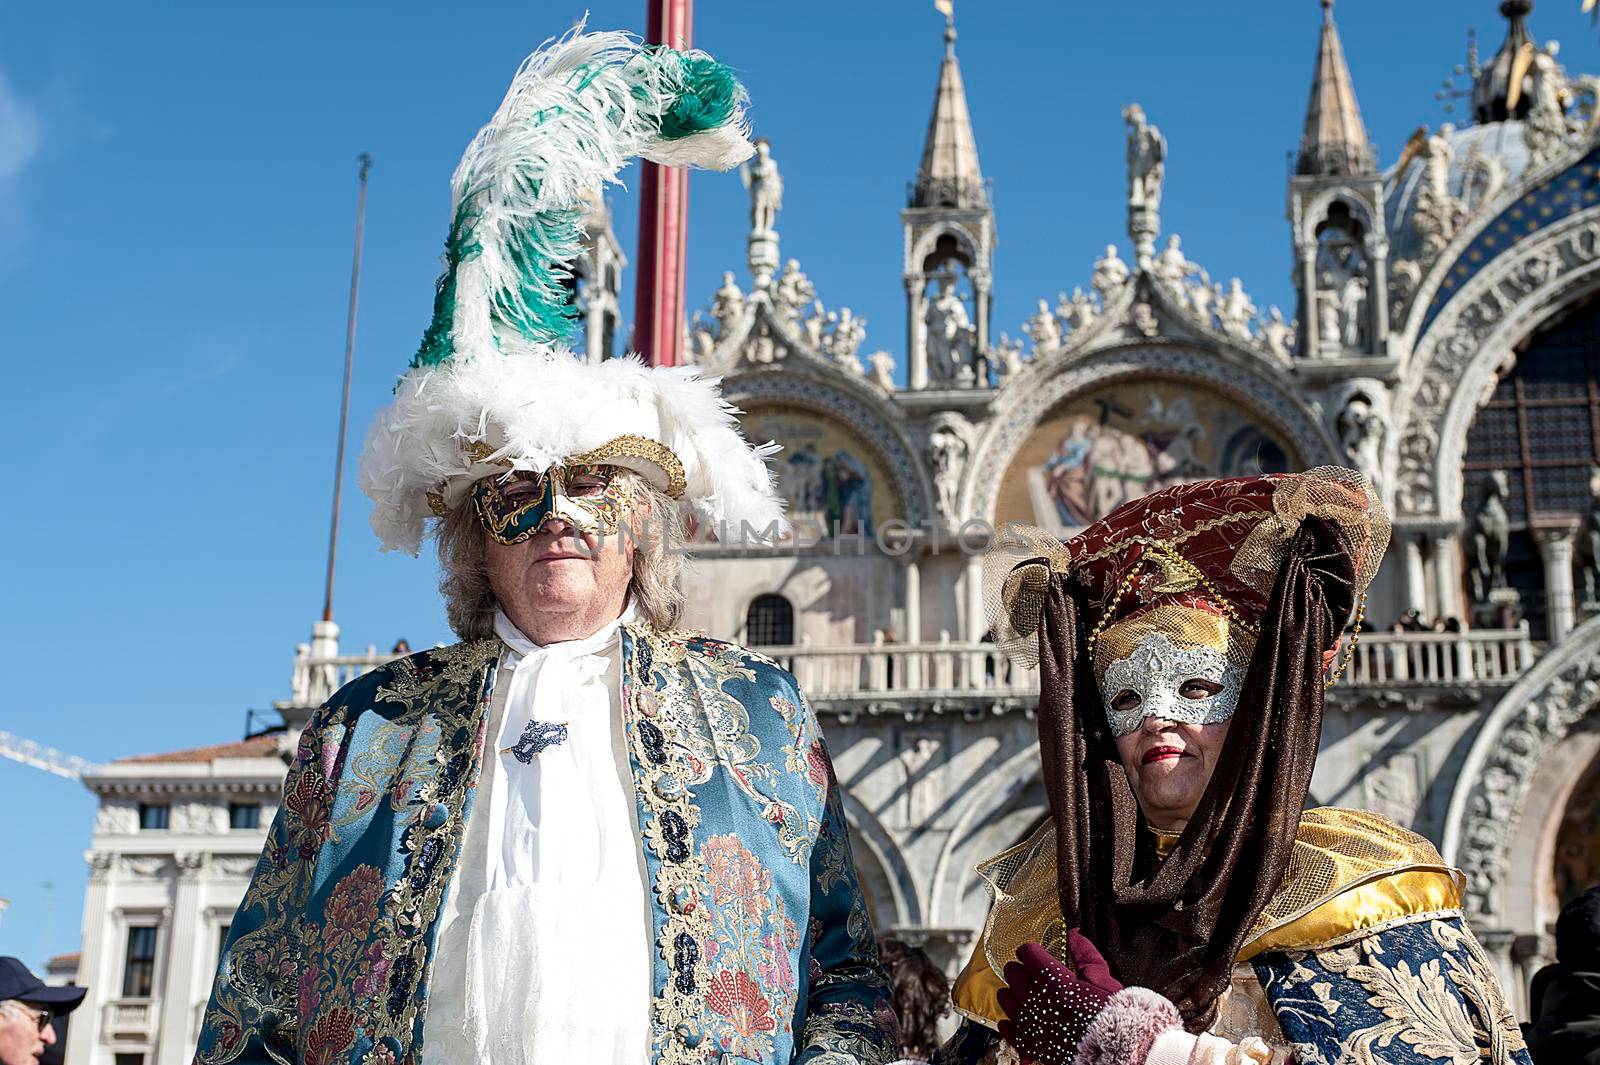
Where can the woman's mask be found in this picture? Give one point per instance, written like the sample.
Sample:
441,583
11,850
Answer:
1157,671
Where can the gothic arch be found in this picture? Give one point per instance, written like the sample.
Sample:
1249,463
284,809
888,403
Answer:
1457,362
887,868
1316,212
997,789
970,243
1022,409
1550,716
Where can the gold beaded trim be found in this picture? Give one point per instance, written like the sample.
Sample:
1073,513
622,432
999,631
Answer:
632,446
436,502
1164,549
1350,648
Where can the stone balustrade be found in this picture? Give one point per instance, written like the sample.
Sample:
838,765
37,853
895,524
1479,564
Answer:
949,673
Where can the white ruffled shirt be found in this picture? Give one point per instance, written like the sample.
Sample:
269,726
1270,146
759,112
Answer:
544,951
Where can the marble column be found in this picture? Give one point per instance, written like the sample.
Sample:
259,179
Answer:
97,965
175,1045
1415,588
916,340
913,601
1377,295
1555,548
1447,575
977,621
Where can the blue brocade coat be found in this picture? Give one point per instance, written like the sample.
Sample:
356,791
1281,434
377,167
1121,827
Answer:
764,950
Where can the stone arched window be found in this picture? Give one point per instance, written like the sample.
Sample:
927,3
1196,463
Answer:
1541,426
769,622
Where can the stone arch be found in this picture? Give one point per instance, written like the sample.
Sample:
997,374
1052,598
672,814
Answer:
1316,212
882,867
1022,410
1517,772
872,418
968,242
1457,362
984,802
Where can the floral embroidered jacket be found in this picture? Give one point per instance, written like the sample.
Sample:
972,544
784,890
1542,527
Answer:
764,950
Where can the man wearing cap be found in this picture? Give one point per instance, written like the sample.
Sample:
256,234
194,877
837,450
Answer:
27,1006
580,834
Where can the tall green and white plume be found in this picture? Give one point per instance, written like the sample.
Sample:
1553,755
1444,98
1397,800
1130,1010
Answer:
578,110
494,386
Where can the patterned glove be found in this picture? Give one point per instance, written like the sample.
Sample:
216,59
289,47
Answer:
1051,1004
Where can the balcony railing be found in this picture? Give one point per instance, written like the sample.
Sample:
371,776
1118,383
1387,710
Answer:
131,1017
977,672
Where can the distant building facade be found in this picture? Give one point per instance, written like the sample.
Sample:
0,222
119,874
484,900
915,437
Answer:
1445,341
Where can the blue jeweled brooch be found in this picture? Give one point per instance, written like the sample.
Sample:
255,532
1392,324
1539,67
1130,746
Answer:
537,736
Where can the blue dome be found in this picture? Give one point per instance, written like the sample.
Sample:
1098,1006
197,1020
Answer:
1502,140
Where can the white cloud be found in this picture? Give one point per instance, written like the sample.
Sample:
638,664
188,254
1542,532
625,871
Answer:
20,136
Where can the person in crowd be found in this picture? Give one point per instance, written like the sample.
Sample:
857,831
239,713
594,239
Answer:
27,1007
921,996
581,834
1565,997
1180,905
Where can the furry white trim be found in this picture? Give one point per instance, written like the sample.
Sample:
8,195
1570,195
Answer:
538,412
1123,1032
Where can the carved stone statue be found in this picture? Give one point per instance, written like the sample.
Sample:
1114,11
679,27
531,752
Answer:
727,304
1043,328
815,322
1147,159
1361,432
1236,311
761,177
1172,266
1078,311
1006,357
947,453
794,292
1587,546
1491,536
1353,311
1545,129
1330,332
882,364
702,340
845,338
1276,335
952,338
1438,214
1110,273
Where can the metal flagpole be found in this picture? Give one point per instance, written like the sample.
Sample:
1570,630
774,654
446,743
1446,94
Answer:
365,162
663,217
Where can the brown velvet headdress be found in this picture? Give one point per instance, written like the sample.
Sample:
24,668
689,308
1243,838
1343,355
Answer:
1284,559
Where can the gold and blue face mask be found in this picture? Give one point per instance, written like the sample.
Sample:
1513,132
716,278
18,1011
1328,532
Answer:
592,498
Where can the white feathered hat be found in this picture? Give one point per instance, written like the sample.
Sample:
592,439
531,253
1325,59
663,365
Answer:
495,385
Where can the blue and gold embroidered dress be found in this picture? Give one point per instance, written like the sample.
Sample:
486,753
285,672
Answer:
764,951
1362,957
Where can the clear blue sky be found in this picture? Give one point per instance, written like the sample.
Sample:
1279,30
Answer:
176,203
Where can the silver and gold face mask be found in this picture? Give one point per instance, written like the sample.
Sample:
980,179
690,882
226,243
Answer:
1157,680
592,498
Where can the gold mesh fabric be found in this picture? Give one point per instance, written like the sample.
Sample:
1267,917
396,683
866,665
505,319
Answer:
1334,493
1334,849
1183,625
1027,907
1015,585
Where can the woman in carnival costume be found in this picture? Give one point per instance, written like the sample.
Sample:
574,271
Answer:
1180,906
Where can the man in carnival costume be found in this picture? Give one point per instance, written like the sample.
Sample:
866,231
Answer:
578,835
1181,907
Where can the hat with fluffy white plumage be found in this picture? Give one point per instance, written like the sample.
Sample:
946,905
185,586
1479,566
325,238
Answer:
495,385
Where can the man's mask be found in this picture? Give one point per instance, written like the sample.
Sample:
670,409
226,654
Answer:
591,498
1157,671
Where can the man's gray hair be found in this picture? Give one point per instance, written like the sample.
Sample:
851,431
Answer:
653,590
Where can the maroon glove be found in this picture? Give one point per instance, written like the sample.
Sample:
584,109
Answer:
1051,1004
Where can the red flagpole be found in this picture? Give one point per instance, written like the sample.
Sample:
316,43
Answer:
658,311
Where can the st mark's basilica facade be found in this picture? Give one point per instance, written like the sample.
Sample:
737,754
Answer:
1446,342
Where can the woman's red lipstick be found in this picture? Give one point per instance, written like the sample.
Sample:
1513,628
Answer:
1156,754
